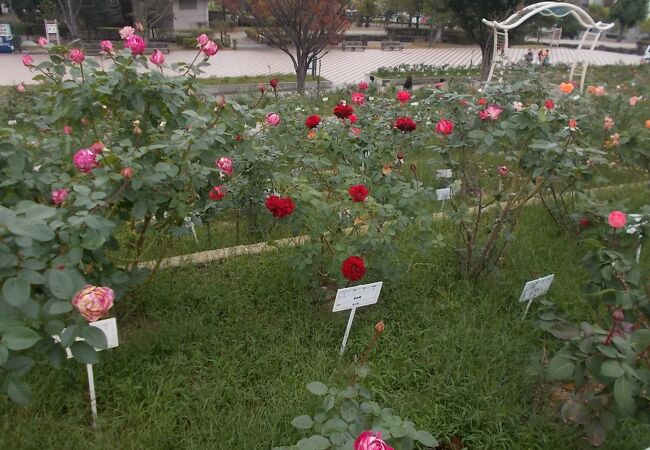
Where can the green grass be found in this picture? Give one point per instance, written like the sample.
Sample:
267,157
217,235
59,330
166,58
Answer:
217,356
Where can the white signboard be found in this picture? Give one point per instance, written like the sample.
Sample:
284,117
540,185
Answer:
444,194
535,288
357,296
5,29
352,298
444,173
51,28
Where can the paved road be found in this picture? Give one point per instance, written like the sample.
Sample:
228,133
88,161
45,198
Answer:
337,66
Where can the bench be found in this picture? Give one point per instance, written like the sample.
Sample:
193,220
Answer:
353,45
391,45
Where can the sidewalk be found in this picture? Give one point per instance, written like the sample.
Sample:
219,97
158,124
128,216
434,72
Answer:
337,66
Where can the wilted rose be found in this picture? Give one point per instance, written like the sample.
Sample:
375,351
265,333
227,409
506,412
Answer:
225,165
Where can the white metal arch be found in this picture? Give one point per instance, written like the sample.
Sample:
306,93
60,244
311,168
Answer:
593,31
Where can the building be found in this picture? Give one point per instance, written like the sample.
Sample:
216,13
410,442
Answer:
189,14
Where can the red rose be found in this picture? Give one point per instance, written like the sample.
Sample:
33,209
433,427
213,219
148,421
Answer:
218,192
279,206
343,111
312,121
352,118
584,223
482,101
405,124
445,127
274,83
403,96
353,268
549,104
358,192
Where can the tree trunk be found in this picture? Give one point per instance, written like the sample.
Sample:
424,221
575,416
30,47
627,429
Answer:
301,74
438,37
487,52
431,35
621,31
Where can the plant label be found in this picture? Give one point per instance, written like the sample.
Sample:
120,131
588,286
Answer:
109,327
357,296
352,298
534,289
444,173
444,194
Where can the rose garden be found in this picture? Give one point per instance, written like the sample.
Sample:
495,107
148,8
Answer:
453,195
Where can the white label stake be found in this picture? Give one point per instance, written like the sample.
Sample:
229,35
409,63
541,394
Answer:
352,298
533,289
91,390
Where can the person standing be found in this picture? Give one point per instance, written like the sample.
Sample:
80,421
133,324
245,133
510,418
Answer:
408,84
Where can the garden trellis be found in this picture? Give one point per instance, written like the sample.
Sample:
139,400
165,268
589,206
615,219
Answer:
588,42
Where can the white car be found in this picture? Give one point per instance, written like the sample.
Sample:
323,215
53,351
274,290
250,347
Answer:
646,55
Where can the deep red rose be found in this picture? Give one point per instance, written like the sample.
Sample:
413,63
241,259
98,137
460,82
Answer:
405,124
358,192
312,121
274,83
343,111
352,118
548,104
279,206
353,268
218,192
584,223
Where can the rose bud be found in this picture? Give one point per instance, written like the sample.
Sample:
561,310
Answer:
379,328
618,315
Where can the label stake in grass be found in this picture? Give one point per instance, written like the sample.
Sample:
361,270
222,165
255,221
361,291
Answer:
352,298
533,289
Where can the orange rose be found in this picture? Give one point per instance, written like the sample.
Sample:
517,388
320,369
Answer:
567,88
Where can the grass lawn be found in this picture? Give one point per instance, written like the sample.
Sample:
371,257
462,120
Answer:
282,78
217,356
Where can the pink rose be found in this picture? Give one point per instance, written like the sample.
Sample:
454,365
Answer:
85,160
93,302
135,44
503,171
403,96
97,147
106,46
445,127
59,196
225,165
42,41
218,192
76,55
67,129
20,87
617,219
370,441
210,49
157,58
358,98
273,119
28,61
356,132
127,173
491,112
634,100
362,86
608,123
126,32
202,39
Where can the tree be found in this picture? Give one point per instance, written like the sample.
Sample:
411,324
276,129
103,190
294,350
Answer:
70,10
628,13
150,12
470,14
441,16
300,28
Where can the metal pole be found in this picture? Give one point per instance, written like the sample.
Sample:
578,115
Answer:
347,331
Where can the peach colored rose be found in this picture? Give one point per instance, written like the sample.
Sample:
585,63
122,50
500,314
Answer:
93,302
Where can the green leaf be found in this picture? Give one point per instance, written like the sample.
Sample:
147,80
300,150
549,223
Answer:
84,353
19,391
55,307
16,291
564,330
334,424
612,369
304,422
425,438
560,368
4,354
623,394
95,337
316,442
20,338
641,339
317,388
69,335
60,284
